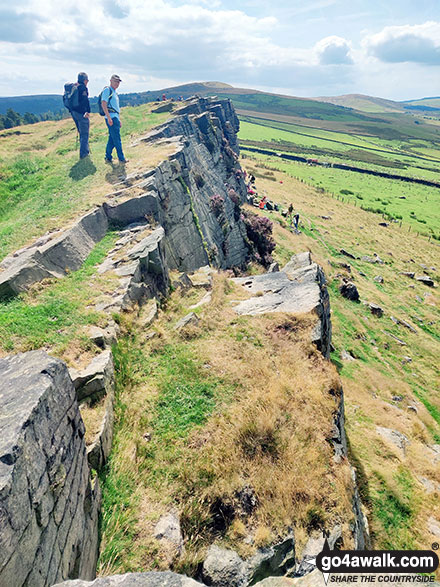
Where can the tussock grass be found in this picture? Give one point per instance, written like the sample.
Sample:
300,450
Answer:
244,403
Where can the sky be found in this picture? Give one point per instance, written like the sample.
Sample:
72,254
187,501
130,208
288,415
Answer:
385,48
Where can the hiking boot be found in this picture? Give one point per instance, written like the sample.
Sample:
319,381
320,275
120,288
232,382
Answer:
123,161
108,160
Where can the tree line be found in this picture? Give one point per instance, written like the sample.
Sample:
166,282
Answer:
12,119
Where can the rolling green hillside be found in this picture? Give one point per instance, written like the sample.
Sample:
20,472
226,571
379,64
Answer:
363,103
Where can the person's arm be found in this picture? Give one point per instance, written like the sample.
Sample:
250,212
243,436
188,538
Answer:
107,113
86,103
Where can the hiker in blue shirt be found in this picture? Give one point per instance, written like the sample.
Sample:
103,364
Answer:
110,105
81,113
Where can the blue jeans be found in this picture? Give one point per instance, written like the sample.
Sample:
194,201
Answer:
83,126
114,140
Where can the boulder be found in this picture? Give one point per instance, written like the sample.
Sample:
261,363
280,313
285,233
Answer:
426,280
399,440
349,290
275,560
202,278
104,338
378,279
190,318
376,310
224,568
168,532
347,254
53,257
133,209
295,291
97,379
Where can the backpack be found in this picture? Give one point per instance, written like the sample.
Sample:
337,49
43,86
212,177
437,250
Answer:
71,96
109,108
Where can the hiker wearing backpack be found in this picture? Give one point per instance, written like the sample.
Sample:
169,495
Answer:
108,103
79,107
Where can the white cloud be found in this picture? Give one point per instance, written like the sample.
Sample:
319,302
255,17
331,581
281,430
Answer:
407,43
334,51
166,42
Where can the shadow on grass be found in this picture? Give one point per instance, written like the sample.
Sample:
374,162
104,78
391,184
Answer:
82,169
116,173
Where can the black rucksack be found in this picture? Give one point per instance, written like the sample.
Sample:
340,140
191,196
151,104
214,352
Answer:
109,108
71,96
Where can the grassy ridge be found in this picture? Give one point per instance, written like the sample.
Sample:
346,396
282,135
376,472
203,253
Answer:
44,185
203,414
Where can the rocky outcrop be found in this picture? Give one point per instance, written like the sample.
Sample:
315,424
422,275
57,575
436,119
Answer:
96,380
153,579
298,288
176,194
142,272
224,568
53,255
204,165
48,504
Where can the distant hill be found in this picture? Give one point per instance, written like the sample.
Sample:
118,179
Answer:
39,104
423,104
348,108
363,103
373,104
243,98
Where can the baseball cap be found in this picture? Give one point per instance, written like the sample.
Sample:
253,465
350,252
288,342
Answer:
116,78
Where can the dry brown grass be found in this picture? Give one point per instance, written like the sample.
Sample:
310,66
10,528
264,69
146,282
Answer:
377,375
272,436
92,417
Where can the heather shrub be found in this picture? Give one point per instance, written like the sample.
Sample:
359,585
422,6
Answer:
233,196
259,233
217,204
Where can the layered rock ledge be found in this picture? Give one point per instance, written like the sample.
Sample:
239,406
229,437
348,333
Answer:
48,503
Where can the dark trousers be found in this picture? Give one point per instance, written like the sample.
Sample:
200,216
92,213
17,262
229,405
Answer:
83,126
114,140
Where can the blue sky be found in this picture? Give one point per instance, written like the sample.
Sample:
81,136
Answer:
389,48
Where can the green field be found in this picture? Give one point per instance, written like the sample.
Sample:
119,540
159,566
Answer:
400,144
414,157
419,209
